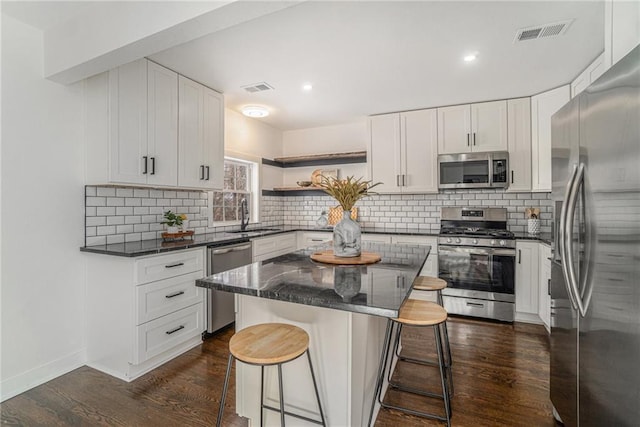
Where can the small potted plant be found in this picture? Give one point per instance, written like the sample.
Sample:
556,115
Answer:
173,222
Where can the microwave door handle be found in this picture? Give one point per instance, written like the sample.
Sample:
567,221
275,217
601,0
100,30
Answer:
564,235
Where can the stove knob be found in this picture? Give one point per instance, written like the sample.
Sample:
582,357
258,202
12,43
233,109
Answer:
458,240
475,241
502,243
448,239
493,242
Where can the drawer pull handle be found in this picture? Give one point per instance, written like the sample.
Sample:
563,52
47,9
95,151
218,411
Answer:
317,240
174,265
174,295
175,330
475,304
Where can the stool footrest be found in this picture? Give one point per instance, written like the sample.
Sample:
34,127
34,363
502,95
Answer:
302,417
416,391
413,412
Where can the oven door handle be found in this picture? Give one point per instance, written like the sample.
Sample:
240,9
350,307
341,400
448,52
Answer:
477,251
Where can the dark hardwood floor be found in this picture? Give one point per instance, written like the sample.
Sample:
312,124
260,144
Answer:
500,371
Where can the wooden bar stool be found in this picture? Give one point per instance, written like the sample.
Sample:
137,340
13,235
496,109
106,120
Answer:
266,345
415,313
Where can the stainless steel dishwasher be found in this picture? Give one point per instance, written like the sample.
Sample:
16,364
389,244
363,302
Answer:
220,305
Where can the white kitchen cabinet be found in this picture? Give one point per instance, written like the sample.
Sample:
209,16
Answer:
519,142
544,299
273,246
588,76
308,239
403,152
543,106
376,238
200,147
621,29
527,283
132,125
480,127
144,311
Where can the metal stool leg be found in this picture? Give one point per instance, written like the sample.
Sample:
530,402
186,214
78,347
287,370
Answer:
224,391
445,391
315,387
383,362
261,396
281,395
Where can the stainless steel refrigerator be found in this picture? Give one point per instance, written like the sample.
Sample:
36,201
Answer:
595,277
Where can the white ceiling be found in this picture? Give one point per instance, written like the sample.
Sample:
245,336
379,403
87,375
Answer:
371,57
44,14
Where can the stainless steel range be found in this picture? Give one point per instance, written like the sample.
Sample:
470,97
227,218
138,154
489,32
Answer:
477,257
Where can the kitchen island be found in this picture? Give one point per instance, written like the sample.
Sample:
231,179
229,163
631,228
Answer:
344,310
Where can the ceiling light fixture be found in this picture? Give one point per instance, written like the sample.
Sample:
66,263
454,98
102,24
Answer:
255,111
470,58
307,87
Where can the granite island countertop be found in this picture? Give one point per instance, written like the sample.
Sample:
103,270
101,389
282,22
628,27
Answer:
376,289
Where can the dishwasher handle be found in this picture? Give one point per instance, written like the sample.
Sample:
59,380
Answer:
233,249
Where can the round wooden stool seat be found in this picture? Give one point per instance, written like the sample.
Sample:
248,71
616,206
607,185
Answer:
269,343
421,313
428,283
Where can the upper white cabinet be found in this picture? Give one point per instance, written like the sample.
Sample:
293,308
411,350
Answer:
621,29
133,114
543,106
403,152
519,142
200,148
478,127
588,76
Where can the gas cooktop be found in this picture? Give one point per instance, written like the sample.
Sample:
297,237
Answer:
472,231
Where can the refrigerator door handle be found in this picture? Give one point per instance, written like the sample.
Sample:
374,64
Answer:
564,236
568,264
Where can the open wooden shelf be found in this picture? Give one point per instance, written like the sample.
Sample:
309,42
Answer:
318,159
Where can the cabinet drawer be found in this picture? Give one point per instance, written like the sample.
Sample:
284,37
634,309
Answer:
159,335
166,296
274,245
309,240
170,265
376,238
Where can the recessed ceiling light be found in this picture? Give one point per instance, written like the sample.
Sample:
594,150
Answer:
307,87
255,111
470,58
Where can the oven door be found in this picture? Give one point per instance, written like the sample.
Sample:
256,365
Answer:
478,272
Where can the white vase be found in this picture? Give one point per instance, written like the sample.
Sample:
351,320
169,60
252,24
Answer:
172,229
347,238
533,226
185,225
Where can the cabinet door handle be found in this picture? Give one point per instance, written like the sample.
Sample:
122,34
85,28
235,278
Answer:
548,286
468,140
175,330
145,158
201,171
177,294
512,177
207,168
404,180
174,265
397,180
519,256
153,166
474,138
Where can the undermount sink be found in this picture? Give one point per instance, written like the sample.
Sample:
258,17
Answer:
253,230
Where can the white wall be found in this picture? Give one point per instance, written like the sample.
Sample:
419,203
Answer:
42,307
328,139
256,140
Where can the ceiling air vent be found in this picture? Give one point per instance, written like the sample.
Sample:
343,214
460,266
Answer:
257,87
542,31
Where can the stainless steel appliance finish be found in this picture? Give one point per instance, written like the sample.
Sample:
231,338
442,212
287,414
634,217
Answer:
476,256
595,291
220,305
473,170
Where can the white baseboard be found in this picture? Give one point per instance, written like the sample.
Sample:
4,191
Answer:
20,383
528,318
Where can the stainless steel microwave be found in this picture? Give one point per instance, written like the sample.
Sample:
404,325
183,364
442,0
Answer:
473,170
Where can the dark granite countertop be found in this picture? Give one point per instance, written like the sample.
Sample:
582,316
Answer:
150,247
377,289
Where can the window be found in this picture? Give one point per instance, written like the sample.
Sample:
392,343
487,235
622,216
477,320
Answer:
240,182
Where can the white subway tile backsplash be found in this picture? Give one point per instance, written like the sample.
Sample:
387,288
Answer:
105,211
95,220
106,229
124,210
115,220
97,240
133,219
90,191
90,211
124,192
133,237
123,229
132,201
140,192
106,191
144,210
96,201
115,238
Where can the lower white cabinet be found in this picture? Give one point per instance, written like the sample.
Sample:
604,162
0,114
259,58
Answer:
308,239
544,298
527,283
144,311
273,246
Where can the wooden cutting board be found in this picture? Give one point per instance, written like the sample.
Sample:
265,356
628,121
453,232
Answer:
328,257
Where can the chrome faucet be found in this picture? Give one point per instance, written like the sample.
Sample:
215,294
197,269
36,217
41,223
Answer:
244,214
